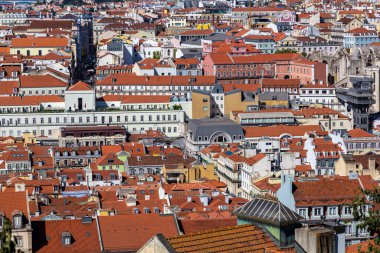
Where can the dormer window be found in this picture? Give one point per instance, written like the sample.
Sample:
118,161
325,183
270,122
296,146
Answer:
14,74
156,210
146,210
66,238
136,211
17,220
56,188
112,176
2,74
37,189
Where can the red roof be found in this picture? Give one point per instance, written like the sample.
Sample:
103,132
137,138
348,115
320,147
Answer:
333,190
11,201
131,232
40,81
47,236
80,86
359,133
48,42
243,238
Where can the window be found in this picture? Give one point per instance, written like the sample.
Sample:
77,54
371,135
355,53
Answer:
18,241
302,212
332,210
66,238
347,210
317,211
17,221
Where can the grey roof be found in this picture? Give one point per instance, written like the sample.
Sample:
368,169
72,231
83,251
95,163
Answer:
193,42
268,212
274,96
210,126
204,92
218,37
191,52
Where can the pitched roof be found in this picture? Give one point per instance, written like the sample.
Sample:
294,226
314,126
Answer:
268,212
79,86
359,133
334,190
39,81
138,228
48,42
47,236
243,238
11,201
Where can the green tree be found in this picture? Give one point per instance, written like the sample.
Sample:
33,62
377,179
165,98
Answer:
7,245
368,219
156,55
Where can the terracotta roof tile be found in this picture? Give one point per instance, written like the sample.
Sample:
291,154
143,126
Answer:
48,42
47,236
137,228
80,86
243,238
39,81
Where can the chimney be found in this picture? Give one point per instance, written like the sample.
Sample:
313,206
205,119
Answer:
189,199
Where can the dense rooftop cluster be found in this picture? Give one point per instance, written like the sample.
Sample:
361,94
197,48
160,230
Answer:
188,126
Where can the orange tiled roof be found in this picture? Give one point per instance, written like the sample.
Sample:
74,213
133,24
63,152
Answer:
331,190
47,236
243,238
80,86
137,228
359,133
48,42
11,201
39,81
